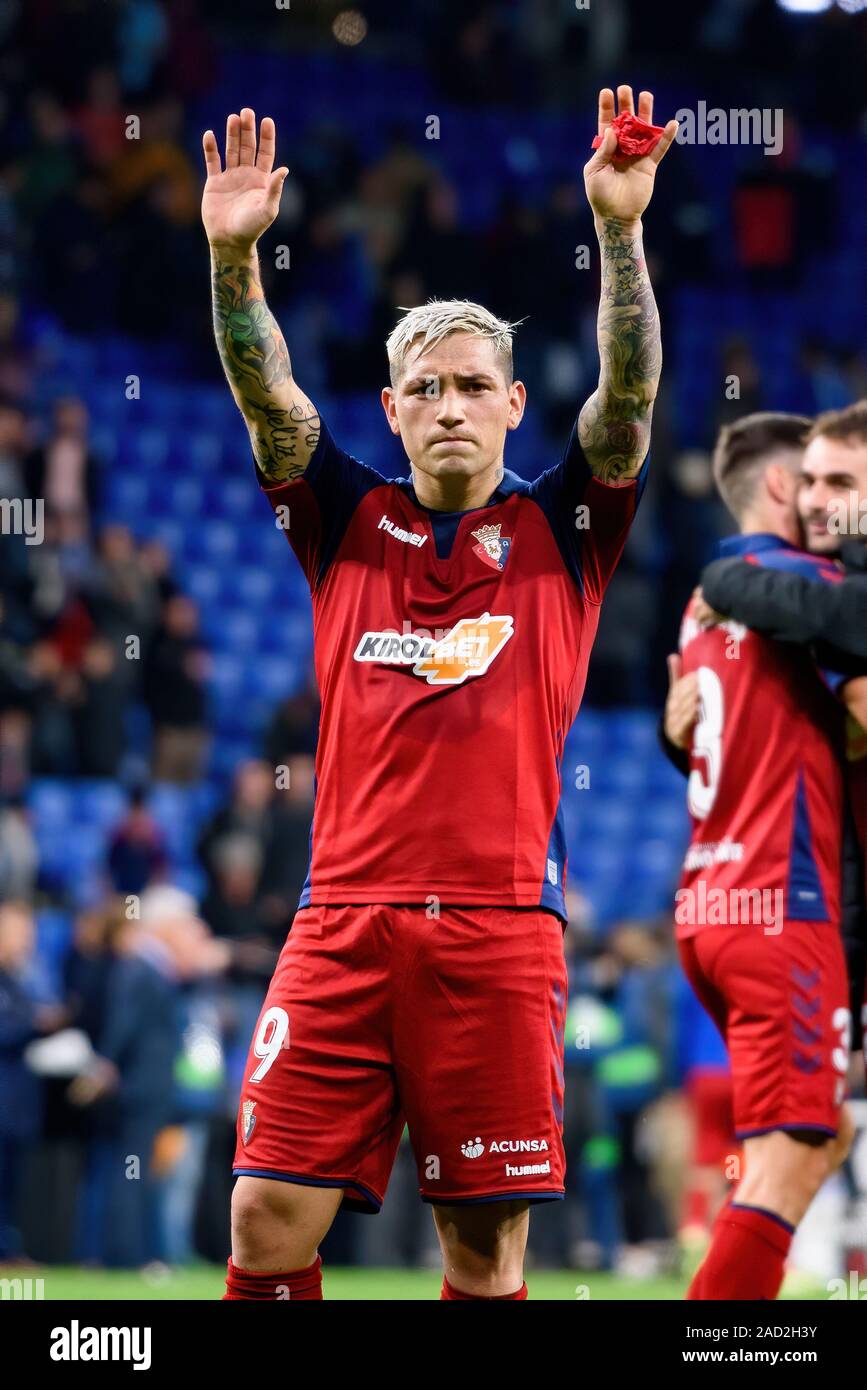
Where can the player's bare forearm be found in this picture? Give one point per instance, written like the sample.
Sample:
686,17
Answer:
282,422
614,424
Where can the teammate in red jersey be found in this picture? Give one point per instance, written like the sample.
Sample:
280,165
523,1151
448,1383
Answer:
758,914
832,500
454,612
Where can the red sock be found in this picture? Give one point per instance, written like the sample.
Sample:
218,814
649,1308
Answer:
695,1289
253,1283
449,1292
747,1256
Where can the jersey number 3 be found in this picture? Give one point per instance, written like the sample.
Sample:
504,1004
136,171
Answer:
706,744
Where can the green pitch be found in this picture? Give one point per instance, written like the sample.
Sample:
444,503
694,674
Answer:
364,1285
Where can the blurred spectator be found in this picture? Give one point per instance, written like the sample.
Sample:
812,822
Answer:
16,351
156,562
255,852
100,716
231,906
132,1078
63,471
827,384
122,596
19,856
47,167
438,248
53,744
159,157
142,35
97,940
287,858
99,122
16,688
21,1021
137,855
474,64
78,271
13,447
174,690
293,727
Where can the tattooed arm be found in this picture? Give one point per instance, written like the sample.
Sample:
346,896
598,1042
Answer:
614,424
239,203
282,422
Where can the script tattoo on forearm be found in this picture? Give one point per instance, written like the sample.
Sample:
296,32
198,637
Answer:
614,424
256,362
275,434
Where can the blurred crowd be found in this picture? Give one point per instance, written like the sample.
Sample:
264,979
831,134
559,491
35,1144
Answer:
92,624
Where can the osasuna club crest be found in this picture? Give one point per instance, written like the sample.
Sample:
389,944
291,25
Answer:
248,1120
492,548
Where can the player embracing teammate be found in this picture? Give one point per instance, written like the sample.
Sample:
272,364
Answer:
760,904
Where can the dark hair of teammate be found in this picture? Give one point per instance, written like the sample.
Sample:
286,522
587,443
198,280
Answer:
744,449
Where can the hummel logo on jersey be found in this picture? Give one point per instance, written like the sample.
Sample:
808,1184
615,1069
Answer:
467,650
527,1170
408,537
473,1148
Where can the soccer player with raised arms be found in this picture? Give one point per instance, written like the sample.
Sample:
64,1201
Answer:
423,981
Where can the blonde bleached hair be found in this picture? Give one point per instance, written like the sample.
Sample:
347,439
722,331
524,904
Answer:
437,320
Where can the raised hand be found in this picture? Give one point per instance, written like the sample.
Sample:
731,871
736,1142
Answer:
623,190
241,201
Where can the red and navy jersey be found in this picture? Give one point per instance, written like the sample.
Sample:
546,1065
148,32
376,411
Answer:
451,655
765,785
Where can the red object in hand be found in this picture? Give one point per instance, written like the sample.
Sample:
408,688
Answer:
634,137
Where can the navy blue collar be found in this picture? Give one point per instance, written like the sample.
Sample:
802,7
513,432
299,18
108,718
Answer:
509,483
753,544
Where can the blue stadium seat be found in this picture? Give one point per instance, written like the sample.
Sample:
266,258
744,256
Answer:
202,582
202,453
49,802
239,630
257,587
172,534
147,447
99,803
185,496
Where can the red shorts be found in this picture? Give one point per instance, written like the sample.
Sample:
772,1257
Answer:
380,1016
781,1004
